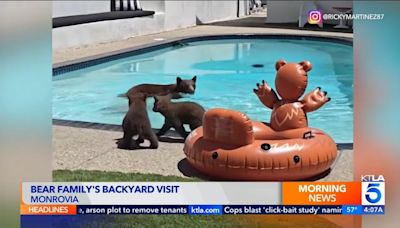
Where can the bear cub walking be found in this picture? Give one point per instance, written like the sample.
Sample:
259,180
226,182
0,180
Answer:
136,122
177,114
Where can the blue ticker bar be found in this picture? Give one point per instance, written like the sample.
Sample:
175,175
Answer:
229,209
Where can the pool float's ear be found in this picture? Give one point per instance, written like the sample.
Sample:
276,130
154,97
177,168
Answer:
279,64
178,80
307,66
194,78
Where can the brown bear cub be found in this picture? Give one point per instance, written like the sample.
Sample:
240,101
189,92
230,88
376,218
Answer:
181,86
177,114
136,122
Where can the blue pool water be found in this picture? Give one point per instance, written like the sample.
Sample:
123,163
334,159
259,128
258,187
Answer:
226,79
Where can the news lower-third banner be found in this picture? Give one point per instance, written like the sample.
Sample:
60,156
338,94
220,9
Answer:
197,198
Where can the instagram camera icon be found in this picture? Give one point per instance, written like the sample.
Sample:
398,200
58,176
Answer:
315,17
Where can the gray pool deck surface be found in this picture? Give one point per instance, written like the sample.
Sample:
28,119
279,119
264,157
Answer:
92,149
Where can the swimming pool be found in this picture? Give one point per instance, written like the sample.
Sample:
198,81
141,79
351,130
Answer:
226,76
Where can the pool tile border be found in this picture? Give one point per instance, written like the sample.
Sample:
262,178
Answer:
90,125
171,136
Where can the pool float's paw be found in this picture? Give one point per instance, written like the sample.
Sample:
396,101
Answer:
315,100
262,89
266,94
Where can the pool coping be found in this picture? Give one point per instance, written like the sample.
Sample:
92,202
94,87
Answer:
71,65
172,136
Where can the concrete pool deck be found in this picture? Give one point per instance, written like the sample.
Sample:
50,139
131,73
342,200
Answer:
92,149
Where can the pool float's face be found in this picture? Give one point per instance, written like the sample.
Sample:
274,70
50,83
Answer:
291,79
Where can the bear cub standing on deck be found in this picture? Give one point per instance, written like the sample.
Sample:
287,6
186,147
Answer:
177,114
136,122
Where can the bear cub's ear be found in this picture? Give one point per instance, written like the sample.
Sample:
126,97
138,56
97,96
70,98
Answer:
279,64
306,65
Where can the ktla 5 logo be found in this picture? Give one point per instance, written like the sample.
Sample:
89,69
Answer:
373,190
314,17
